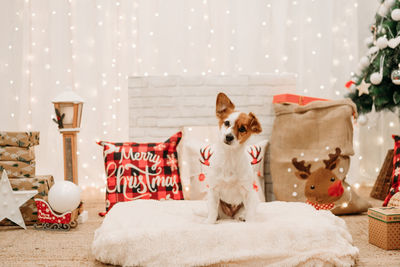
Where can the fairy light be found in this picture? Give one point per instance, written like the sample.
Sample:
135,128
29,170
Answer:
380,140
143,67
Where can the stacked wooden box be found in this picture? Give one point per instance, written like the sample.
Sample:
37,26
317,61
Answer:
17,158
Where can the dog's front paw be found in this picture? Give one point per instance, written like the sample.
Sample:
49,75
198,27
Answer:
210,220
250,219
241,218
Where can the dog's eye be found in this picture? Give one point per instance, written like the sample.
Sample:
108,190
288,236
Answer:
332,179
242,129
312,187
226,123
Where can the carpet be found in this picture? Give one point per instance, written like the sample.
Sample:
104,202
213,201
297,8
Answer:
23,248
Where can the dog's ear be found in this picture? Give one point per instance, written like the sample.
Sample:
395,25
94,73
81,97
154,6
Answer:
255,126
224,105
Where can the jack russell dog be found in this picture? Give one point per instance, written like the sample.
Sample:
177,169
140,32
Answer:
231,193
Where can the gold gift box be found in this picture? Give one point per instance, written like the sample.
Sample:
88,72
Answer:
20,139
14,153
18,168
384,227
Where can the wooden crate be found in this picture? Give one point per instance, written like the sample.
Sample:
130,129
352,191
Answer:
383,181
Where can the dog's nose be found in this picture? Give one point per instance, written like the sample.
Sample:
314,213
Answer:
229,137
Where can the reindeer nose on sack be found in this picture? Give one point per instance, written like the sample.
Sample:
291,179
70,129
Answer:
336,189
229,137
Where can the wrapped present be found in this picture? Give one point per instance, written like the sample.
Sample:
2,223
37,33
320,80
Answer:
20,139
14,153
29,210
18,168
384,227
296,99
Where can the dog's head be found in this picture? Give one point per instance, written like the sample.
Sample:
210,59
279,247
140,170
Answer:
235,127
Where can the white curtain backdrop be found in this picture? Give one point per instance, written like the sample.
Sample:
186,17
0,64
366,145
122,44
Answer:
94,46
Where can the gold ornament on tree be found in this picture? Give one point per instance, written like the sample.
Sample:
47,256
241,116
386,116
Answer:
363,88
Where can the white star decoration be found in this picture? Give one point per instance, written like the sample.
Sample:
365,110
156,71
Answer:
363,88
10,201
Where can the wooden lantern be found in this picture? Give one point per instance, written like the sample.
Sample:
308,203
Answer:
68,107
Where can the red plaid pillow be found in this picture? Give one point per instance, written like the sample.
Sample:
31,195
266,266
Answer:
396,170
142,171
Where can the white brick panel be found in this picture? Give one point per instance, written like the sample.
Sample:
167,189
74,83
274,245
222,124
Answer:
159,106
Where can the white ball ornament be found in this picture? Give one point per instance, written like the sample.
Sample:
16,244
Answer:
389,3
362,119
394,42
383,10
376,78
396,14
372,50
64,196
382,42
364,62
358,71
360,67
368,41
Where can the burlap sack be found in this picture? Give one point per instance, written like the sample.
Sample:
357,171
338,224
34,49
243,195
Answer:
195,157
28,210
21,139
15,153
310,133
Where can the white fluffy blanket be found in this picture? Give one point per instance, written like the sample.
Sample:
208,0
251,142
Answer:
171,233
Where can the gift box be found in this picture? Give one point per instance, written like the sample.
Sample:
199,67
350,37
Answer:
29,210
384,227
20,139
14,153
18,168
296,99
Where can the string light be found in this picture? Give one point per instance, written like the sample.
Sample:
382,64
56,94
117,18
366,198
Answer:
144,66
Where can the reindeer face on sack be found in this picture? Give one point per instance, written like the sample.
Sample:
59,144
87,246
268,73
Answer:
322,185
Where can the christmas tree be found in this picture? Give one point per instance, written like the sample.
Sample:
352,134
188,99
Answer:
376,81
